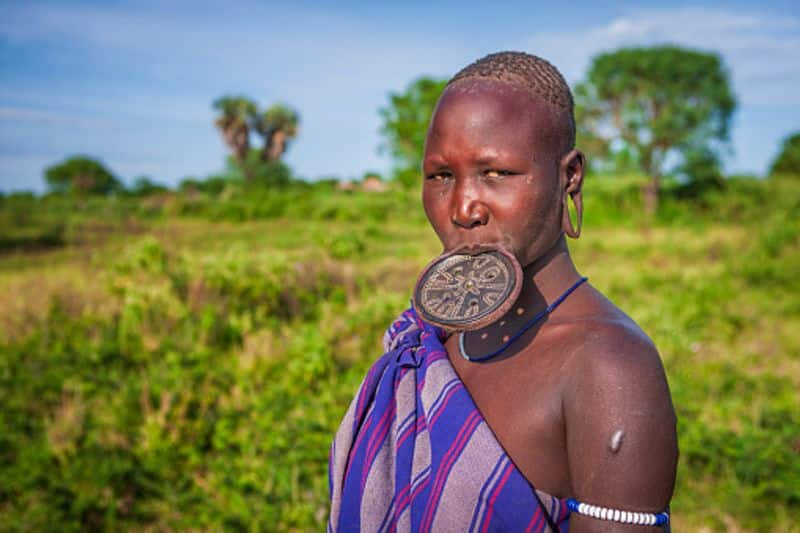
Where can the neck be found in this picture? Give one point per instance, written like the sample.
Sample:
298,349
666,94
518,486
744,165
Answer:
546,280
550,274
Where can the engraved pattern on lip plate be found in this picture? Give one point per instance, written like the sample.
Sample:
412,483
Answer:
461,289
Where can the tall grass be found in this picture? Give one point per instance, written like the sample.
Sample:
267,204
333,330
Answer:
182,362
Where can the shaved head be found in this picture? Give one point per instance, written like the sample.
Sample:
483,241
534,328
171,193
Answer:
536,76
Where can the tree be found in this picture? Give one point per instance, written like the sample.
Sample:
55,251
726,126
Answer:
234,123
788,161
598,146
667,105
405,125
145,186
263,173
81,175
278,125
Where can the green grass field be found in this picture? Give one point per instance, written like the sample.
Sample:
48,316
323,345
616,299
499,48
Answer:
179,363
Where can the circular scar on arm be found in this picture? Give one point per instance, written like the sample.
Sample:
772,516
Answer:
615,443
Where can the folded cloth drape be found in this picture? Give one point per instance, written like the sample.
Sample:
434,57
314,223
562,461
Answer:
413,453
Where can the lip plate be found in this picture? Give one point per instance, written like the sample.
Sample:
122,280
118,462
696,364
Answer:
452,272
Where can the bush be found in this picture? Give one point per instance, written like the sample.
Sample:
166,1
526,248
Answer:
81,175
188,375
788,160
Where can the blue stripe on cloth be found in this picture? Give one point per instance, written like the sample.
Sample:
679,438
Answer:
487,485
404,447
491,518
506,503
415,454
446,462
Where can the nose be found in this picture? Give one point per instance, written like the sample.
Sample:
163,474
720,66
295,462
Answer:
468,210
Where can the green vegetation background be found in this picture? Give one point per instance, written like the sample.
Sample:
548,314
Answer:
181,361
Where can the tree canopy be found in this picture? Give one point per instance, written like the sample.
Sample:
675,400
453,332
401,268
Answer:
145,186
405,124
277,125
239,116
234,123
669,107
788,160
81,175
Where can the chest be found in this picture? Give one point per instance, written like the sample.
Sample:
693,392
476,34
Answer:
520,399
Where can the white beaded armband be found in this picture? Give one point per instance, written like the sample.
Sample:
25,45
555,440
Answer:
615,515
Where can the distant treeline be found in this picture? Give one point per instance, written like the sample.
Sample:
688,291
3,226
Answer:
30,222
661,112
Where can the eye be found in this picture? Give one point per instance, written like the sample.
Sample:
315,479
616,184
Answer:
440,176
497,174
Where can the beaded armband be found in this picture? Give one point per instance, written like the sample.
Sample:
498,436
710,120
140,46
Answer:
615,515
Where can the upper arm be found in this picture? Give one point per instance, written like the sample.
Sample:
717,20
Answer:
620,429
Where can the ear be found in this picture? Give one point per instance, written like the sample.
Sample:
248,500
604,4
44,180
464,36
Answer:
571,170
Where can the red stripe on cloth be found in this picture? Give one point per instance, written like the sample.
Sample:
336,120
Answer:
374,444
534,519
495,492
449,459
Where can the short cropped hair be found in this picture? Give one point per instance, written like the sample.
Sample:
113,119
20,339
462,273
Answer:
533,74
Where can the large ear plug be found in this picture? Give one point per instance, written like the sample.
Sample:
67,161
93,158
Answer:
566,222
574,162
468,289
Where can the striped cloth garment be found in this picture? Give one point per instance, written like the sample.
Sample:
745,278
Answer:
413,453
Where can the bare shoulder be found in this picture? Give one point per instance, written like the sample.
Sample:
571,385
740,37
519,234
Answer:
606,347
620,423
612,347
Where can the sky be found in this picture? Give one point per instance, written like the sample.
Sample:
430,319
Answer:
132,83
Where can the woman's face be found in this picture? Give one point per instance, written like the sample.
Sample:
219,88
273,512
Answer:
491,170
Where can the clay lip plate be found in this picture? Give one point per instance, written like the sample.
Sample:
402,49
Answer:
466,290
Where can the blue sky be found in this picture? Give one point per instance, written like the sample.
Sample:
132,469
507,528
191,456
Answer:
132,83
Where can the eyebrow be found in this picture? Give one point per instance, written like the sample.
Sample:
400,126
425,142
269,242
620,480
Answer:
435,161
487,158
487,155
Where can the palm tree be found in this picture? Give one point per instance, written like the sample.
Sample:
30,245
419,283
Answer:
233,122
278,125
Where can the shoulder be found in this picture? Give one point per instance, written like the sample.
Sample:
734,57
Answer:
407,328
405,323
619,419
612,350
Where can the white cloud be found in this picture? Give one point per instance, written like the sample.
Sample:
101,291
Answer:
760,51
134,84
332,65
273,48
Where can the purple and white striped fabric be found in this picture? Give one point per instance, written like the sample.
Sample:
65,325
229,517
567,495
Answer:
413,453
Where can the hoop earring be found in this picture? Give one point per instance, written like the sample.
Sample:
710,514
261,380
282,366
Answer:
566,222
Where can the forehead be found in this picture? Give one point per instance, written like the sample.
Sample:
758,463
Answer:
492,113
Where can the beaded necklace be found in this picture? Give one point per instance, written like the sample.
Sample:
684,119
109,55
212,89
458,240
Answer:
528,325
